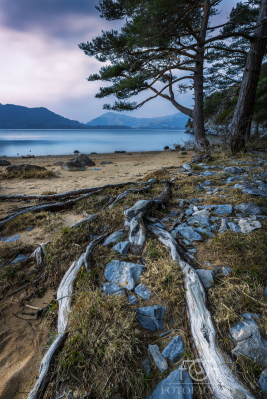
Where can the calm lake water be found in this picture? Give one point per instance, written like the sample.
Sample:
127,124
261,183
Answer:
64,142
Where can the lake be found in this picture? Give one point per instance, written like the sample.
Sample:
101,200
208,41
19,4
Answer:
64,142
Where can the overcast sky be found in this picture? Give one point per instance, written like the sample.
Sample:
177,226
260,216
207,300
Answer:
42,66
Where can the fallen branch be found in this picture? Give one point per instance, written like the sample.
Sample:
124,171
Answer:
223,383
64,295
67,194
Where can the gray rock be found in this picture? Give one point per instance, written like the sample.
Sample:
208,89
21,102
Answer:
203,230
232,226
151,317
226,270
223,225
263,382
142,291
160,225
165,333
207,173
24,168
207,183
146,366
73,166
19,258
113,289
182,203
174,213
83,160
262,186
265,290
234,170
125,273
189,212
200,218
223,209
231,179
11,239
249,209
247,225
196,159
122,247
105,162
238,186
186,166
177,385
3,162
248,340
30,228
206,276
255,192
175,349
115,237
132,300
158,358
188,232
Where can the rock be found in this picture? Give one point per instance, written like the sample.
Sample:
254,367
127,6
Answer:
115,237
207,173
234,170
207,183
175,349
206,276
30,228
177,385
226,270
105,162
72,166
76,152
83,160
247,226
160,225
248,340
223,209
24,168
249,209
11,239
146,366
188,232
189,212
166,147
223,225
58,163
232,226
231,179
57,173
174,213
165,333
19,258
151,317
142,291
182,152
124,273
255,192
196,159
265,290
96,169
113,289
3,162
159,360
132,300
122,247
186,166
203,230
200,218
263,382
238,186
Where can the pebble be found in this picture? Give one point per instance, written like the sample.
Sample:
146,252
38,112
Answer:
19,258
115,237
122,247
175,349
151,317
132,300
11,239
206,276
247,226
146,366
263,382
142,291
250,208
158,358
187,232
125,273
113,289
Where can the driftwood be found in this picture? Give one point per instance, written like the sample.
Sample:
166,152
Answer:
133,190
61,196
224,384
59,206
64,295
38,255
89,219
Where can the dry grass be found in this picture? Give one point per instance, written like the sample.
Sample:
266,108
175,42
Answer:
11,274
45,219
157,174
103,351
48,192
43,174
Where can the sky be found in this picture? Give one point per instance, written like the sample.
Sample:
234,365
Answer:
42,66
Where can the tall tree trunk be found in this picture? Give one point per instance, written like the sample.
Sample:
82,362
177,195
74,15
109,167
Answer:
202,142
247,95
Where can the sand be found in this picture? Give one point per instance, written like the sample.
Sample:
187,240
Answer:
21,344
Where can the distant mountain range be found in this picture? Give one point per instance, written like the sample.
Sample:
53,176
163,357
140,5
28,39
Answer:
176,121
19,117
